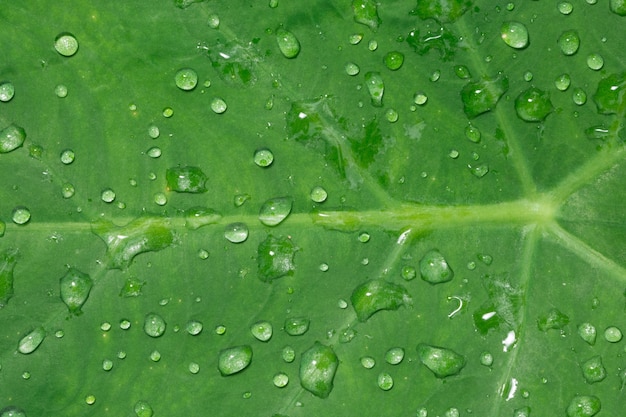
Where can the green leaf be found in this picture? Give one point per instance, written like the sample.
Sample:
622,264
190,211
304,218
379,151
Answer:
237,200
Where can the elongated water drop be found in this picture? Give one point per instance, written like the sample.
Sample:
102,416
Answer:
275,211
236,232
366,13
482,96
441,361
533,105
11,138
275,258
30,342
8,260
197,217
12,411
154,325
186,179
434,268
234,359
584,406
75,288
287,43
514,34
375,87
376,295
317,369
297,326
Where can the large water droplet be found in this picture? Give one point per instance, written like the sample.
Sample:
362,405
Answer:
30,342
434,268
154,325
275,211
275,258
394,60
569,42
7,91
234,359
186,179
143,409
262,330
8,260
610,97
66,44
554,319
75,288
482,96
595,62
297,326
263,157
533,105
441,361
317,369
618,7
613,334
514,34
366,13
376,295
584,406
587,332
236,232
287,43
593,370
186,79
375,87
11,138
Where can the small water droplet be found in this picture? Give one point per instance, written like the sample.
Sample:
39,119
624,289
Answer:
385,381
579,96
11,138
375,87
434,268
75,287
154,325
218,105
12,411
441,361
143,409
583,406
107,195
366,13
565,7
160,199
7,91
522,412
486,359
90,399
394,60
275,211
462,72
194,327
420,98
107,365
342,303
352,69
408,272
528,76
288,354
296,326
213,21
280,380
569,42
514,34
59,334
613,334
287,43
67,156
378,294
154,152
562,82
595,62
587,332
368,362
355,38
168,112
26,375
220,329
435,75
60,91
153,131
263,157
262,330
391,115
121,354
484,258
193,367
66,44
125,324
533,105
30,342
105,326
472,133
234,359
317,369
203,254
187,179
394,355
422,412
318,194
236,232
155,356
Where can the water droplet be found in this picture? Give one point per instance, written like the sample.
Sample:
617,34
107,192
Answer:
472,133
522,412
107,365
482,96
297,326
618,7
385,381
90,399
368,362
220,329
562,82
66,44
391,115
376,295
187,179
434,268
422,412
121,354
107,195
579,96
75,288
462,72
583,406
234,359
394,355
587,332
281,380
194,327
197,217
554,319
3,229
394,60
12,411
434,77
486,359
441,361
67,156
11,138
154,152
352,69
454,412
317,369
533,105
8,260
273,4
408,273
236,232
30,342
613,334
375,87
125,324
565,7
7,91
355,38
569,42
153,131
25,375
593,370
155,356
61,91
595,62
193,367
262,330
143,409
263,157
160,199
105,326
609,96
287,43
275,258
218,105
154,325
168,112
486,259
514,34
275,211
366,13
288,354
528,76
318,194
420,98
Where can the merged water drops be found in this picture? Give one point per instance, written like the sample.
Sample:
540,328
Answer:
30,342
376,88
441,361
317,369
584,406
482,96
378,294
533,105
66,44
186,79
234,359
434,268
11,138
187,179
275,211
366,13
514,34
75,287
287,43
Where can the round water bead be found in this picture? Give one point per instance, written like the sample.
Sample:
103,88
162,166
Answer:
7,91
143,409
154,325
281,380
514,34
160,198
368,362
67,156
194,327
153,131
352,69
61,91
385,381
21,215
569,42
288,354
236,232
394,60
579,96
218,105
262,330
213,21
186,79
318,194
394,355
107,195
193,367
263,157
391,115
90,399
565,7
595,62
613,334
66,44
107,364
420,98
